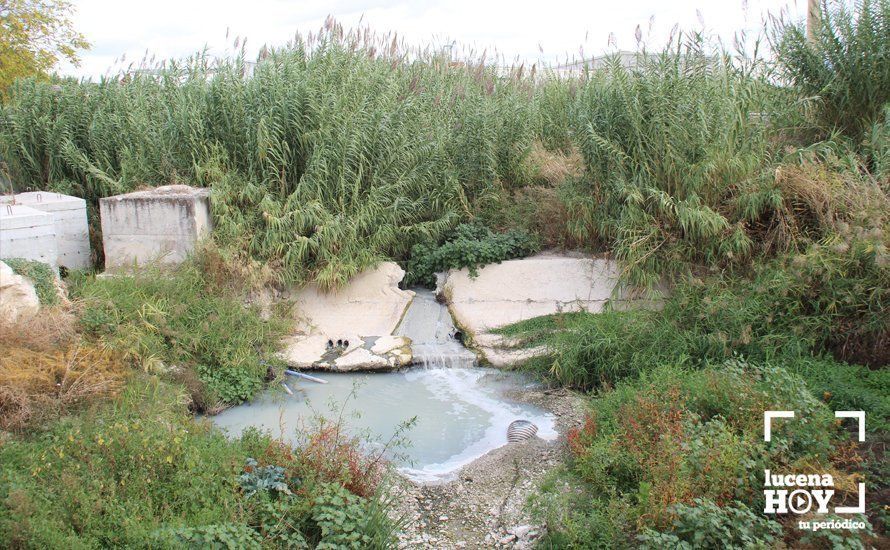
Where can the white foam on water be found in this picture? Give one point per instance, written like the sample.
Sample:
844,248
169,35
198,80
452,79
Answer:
462,413
464,384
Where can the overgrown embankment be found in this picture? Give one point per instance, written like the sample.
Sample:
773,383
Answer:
758,189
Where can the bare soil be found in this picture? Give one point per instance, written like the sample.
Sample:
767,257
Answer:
484,506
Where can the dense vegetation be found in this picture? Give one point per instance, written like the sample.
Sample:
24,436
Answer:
467,246
336,152
139,472
185,324
701,486
41,276
756,189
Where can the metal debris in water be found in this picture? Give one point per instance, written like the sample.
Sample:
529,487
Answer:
520,430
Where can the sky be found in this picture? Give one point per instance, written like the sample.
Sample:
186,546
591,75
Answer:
549,31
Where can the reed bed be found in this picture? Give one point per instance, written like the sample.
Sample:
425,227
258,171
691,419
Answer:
345,148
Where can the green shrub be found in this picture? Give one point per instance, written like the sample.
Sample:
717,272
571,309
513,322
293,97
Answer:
111,476
846,63
178,322
346,521
708,526
140,472
677,439
468,245
226,535
848,387
41,275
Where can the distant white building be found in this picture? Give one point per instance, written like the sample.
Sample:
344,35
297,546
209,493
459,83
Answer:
626,58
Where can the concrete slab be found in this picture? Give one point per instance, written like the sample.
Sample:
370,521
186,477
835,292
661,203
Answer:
517,290
156,225
27,233
359,319
70,223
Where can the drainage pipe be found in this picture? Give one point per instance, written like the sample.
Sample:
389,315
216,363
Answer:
306,376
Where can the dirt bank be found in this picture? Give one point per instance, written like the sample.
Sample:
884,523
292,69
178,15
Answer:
484,505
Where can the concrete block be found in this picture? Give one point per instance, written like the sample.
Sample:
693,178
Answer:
27,233
365,313
70,220
517,290
156,225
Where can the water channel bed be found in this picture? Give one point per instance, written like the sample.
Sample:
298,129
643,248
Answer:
460,413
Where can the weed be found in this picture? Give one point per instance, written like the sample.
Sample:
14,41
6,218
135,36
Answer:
39,386
179,322
467,246
42,276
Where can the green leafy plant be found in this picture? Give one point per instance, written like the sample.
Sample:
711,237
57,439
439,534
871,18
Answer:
346,521
41,275
467,246
844,63
263,478
220,536
178,322
708,526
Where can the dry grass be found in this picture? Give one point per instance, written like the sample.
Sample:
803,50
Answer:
553,167
51,329
817,199
37,385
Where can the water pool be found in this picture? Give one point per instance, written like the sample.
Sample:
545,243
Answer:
461,413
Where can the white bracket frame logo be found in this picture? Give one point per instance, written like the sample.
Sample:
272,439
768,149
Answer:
768,417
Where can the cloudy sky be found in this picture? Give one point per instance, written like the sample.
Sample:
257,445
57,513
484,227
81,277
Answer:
548,30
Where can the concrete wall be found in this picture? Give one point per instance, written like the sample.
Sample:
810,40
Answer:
157,225
69,216
27,233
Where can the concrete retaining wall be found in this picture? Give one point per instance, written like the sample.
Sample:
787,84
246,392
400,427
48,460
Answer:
157,225
363,313
517,290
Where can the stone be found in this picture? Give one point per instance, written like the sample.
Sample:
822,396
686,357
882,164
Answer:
360,359
507,540
27,233
521,530
156,225
69,215
517,290
388,344
365,312
18,299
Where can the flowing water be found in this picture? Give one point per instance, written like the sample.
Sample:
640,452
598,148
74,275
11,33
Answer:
459,411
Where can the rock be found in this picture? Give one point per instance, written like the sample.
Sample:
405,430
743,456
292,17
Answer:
388,344
520,530
360,359
18,299
364,313
507,540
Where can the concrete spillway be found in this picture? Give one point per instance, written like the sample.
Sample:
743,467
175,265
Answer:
458,412
434,341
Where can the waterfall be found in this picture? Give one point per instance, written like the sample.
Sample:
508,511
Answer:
433,343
